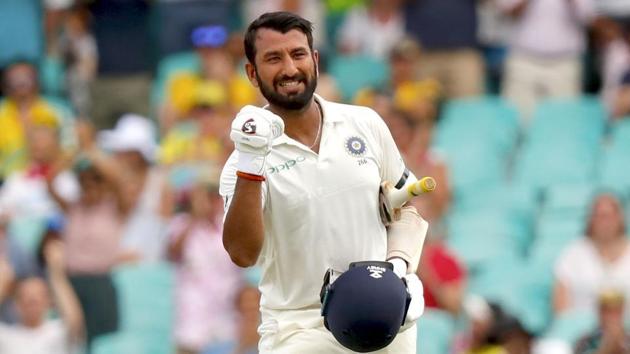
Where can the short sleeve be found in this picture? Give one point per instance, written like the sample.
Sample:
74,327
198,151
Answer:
446,266
392,165
228,182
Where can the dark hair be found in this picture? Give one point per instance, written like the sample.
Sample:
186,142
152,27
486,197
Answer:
280,21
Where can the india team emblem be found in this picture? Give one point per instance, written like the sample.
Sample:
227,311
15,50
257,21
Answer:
356,146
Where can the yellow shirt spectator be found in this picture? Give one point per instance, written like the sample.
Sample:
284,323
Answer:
13,133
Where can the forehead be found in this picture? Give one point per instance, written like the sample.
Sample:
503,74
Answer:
268,40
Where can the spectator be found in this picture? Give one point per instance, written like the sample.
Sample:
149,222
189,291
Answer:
248,305
216,66
599,260
611,337
92,233
205,313
617,94
124,43
201,136
22,110
373,29
35,333
443,276
24,199
80,55
537,66
449,44
482,336
133,142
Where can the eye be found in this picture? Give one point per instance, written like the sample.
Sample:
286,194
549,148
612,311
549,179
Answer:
299,55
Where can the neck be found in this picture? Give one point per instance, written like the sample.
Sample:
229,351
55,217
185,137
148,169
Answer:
302,125
610,248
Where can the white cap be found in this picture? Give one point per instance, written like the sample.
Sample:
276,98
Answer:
132,133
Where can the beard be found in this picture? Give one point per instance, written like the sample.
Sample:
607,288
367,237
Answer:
289,102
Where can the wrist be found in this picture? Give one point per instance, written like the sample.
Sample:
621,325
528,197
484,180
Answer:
400,266
250,163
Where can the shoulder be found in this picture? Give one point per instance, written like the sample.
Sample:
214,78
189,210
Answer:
355,114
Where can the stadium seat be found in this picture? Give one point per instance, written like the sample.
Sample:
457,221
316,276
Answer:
477,137
145,298
614,172
132,343
572,325
356,72
435,332
562,144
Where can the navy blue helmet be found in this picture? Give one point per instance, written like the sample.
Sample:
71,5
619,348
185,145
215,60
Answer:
366,306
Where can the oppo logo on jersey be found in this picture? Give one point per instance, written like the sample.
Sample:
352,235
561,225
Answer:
287,165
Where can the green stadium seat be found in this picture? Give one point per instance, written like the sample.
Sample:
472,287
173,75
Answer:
356,72
572,325
614,172
132,343
562,144
435,332
145,298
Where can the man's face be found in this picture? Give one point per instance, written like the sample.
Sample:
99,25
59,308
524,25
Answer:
286,68
21,81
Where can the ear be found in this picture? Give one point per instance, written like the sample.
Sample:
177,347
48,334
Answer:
250,69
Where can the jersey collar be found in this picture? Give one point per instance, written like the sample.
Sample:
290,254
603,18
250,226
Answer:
330,117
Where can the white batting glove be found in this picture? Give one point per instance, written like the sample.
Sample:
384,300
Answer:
253,132
415,289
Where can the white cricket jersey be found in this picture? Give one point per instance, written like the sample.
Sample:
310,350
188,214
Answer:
321,210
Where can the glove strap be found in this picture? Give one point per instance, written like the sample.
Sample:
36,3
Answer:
250,177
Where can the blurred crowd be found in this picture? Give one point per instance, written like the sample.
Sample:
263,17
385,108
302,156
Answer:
114,121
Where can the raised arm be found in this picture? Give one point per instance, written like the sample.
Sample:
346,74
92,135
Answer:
65,299
253,132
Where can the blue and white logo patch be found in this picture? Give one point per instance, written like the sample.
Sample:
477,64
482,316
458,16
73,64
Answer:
356,146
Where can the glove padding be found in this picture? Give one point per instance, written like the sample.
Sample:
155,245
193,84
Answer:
416,307
253,132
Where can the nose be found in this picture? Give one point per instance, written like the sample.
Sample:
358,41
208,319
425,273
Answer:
290,69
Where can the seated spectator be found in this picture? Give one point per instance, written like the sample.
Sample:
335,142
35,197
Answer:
22,110
540,67
216,66
202,135
36,333
247,337
24,199
482,335
599,260
611,337
620,93
92,232
372,30
133,144
443,276
204,313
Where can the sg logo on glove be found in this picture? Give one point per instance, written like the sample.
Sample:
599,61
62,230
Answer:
249,127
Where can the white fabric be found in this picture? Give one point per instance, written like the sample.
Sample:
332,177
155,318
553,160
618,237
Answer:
49,338
551,28
584,273
365,35
616,62
23,196
528,80
320,210
144,230
132,133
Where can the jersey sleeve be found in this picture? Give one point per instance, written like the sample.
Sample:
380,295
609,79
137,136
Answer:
228,183
392,165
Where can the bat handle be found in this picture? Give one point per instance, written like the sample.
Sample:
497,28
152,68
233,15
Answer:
423,185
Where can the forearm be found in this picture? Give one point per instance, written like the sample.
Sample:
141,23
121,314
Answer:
67,303
243,230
